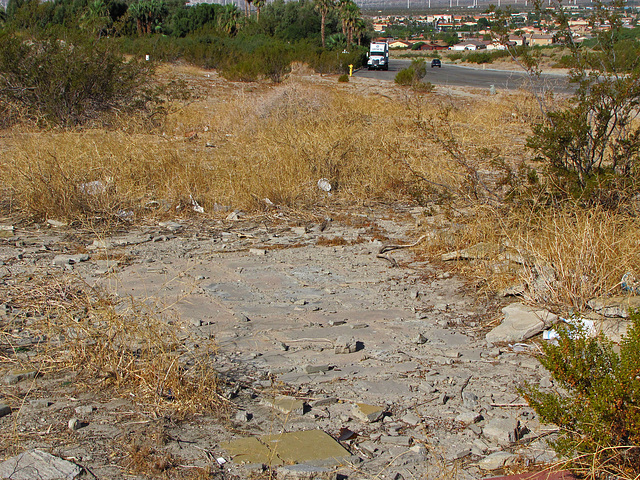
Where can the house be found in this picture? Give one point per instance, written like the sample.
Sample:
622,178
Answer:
399,44
539,39
470,45
435,45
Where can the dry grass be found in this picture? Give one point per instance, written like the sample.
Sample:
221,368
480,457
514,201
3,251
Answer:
237,146
60,325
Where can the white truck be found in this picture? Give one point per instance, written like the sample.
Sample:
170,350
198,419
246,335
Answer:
378,56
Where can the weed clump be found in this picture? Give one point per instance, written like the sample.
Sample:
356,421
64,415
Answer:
598,408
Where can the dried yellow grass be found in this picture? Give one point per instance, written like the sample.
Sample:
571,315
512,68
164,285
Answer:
239,145
111,345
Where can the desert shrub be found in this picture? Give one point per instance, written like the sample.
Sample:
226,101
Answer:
455,56
69,84
486,57
413,74
344,78
598,408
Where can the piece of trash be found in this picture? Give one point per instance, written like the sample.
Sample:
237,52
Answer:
125,214
346,434
221,461
268,202
97,187
584,324
521,347
195,205
629,283
323,184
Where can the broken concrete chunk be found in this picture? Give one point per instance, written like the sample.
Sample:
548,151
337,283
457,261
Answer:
63,260
38,464
305,472
368,413
502,430
615,307
345,345
170,225
497,460
287,405
310,447
18,376
520,323
56,223
419,339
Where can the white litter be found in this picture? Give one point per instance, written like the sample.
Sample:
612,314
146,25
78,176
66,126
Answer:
323,184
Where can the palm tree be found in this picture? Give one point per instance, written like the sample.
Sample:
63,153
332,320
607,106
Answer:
360,29
259,4
350,15
230,19
341,5
324,7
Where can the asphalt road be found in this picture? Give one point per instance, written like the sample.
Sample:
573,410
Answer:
457,75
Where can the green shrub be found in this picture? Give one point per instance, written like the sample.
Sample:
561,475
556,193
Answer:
344,78
53,82
413,74
405,76
598,406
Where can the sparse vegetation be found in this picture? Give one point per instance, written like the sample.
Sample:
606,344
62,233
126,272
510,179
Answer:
597,408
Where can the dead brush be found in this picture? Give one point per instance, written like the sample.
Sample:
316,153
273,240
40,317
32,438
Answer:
111,344
589,251
247,146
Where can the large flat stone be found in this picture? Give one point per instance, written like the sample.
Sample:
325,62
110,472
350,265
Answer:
520,323
311,447
36,464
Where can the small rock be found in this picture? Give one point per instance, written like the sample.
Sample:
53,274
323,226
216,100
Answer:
316,368
420,339
368,413
170,225
63,260
335,323
15,377
469,400
40,403
469,418
258,251
56,223
400,440
299,230
234,216
305,472
502,430
345,345
84,410
411,419
75,424
4,410
287,405
323,402
497,460
243,416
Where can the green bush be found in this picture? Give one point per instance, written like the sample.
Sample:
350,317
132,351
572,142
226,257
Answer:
69,84
413,74
598,405
344,78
